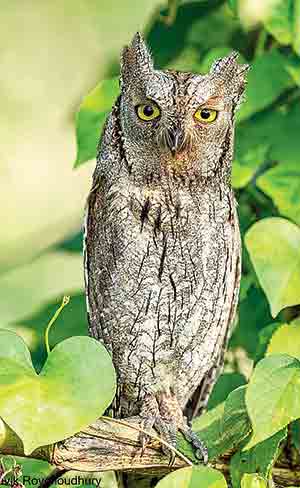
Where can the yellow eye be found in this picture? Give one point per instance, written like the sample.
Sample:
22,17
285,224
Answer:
206,115
148,111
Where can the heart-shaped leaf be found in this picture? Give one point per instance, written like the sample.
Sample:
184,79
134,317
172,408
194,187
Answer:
274,248
273,396
193,478
75,386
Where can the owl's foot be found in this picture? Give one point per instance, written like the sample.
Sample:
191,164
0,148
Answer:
200,448
164,414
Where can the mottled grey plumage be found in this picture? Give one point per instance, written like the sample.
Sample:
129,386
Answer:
162,240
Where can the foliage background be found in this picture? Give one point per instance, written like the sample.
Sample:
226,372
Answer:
54,54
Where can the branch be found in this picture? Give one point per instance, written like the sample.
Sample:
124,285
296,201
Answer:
111,445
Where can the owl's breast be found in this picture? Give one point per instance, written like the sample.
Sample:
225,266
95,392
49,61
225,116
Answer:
174,209
168,265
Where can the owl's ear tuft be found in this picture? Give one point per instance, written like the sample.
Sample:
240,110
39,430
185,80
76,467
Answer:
228,67
136,61
232,75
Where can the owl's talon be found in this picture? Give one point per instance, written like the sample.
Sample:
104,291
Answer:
172,458
166,417
202,454
201,451
144,442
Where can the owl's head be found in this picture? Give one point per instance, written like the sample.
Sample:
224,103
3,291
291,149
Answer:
178,124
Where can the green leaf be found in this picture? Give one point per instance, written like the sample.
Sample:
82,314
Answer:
268,136
286,340
274,248
45,408
282,130
277,132
235,411
198,26
208,418
254,314
279,21
246,162
223,428
207,28
207,427
91,117
227,382
253,481
260,459
193,478
266,81
264,338
282,184
273,396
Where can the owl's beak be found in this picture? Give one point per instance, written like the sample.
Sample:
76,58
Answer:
175,140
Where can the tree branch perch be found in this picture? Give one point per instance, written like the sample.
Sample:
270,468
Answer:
108,445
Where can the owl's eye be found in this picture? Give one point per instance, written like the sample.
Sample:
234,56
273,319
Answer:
148,111
206,115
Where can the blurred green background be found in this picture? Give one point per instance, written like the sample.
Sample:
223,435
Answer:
53,54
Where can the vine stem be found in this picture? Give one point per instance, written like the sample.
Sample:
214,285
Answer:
64,302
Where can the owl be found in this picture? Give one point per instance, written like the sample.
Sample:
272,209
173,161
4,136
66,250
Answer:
162,242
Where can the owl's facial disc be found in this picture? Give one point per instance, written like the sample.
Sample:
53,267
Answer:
176,121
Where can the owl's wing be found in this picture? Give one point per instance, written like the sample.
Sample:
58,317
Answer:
96,255
92,259
198,401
